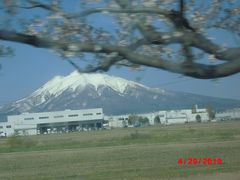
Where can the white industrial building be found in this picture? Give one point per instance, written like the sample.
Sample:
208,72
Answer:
89,119
164,117
117,121
52,122
178,116
233,114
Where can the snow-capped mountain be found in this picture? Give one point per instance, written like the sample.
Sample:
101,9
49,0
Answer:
115,95
77,83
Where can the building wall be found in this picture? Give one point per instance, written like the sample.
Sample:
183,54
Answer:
28,123
166,117
178,116
58,116
229,115
117,121
6,128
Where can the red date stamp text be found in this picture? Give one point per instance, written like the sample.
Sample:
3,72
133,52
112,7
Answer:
198,161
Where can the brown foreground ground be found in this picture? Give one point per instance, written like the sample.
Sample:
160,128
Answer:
143,153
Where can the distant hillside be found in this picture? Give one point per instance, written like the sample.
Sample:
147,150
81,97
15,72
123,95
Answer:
115,95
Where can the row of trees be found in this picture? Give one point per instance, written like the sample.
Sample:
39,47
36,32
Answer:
138,120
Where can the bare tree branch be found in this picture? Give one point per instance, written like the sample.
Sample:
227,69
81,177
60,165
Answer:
123,11
191,69
47,7
24,38
69,32
104,66
36,4
194,39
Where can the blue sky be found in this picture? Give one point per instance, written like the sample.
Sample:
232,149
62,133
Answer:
32,67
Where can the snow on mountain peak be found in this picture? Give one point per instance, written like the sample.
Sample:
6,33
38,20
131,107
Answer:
80,80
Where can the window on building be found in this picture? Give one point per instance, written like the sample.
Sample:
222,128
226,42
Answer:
88,114
59,116
44,117
8,126
98,113
29,118
72,115
1,127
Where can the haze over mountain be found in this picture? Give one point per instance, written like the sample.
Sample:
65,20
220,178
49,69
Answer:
115,95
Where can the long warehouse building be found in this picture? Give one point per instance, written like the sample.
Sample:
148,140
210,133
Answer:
52,122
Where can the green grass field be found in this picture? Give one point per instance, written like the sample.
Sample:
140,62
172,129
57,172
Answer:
131,153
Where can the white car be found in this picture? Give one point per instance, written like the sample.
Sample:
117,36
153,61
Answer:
2,134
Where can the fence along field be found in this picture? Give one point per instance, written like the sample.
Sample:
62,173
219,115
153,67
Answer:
130,153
